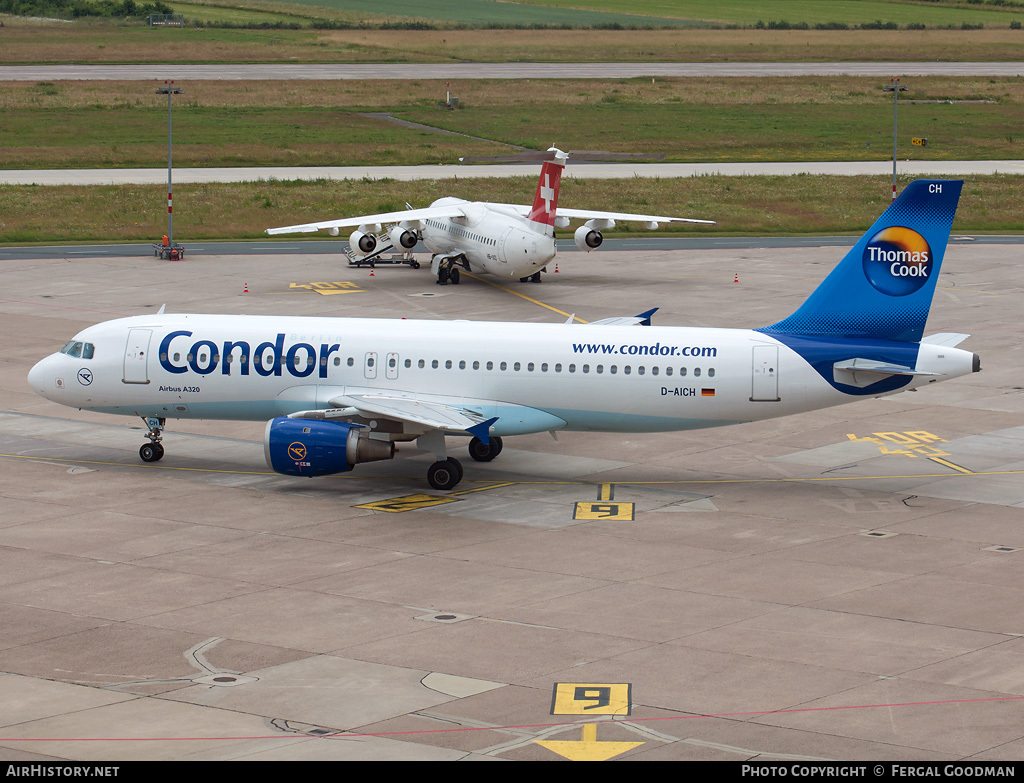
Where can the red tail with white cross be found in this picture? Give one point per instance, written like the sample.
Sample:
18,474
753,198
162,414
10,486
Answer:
545,201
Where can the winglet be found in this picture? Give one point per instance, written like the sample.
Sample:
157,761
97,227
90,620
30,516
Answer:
647,316
482,430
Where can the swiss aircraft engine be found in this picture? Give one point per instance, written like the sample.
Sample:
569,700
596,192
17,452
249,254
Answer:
361,242
587,237
403,237
313,447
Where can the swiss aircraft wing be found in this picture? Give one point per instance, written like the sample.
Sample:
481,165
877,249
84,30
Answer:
590,214
404,216
587,214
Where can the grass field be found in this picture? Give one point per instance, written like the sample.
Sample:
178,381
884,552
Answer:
491,12
91,124
652,13
750,12
742,206
223,123
27,42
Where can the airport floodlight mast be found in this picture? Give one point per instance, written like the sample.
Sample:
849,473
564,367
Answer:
895,88
169,89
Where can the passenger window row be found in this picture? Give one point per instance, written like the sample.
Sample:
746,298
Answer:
598,369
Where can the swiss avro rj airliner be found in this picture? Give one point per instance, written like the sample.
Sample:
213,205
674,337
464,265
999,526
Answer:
339,391
507,240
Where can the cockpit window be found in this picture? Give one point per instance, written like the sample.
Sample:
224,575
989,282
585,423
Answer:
79,349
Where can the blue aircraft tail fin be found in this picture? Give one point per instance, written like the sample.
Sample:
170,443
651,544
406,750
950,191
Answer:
883,287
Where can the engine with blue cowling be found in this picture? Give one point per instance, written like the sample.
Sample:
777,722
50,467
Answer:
312,447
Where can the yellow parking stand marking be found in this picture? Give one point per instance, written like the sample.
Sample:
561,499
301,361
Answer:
620,512
591,698
407,503
916,444
328,288
606,492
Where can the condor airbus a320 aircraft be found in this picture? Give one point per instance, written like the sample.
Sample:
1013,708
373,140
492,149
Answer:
339,391
506,240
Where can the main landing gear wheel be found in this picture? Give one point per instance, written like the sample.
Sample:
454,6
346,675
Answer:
448,272
151,452
482,453
448,275
445,474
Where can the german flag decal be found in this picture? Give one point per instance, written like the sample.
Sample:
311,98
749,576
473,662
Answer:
707,392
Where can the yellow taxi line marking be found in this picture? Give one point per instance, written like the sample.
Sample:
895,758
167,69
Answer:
482,489
952,465
606,492
524,296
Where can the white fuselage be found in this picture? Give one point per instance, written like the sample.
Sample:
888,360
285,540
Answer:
493,238
533,377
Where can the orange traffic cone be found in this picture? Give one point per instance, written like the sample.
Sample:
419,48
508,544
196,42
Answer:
246,289
737,278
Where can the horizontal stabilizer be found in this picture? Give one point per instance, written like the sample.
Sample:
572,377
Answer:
864,372
948,339
879,368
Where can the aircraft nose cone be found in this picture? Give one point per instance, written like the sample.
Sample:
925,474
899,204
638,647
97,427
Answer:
42,378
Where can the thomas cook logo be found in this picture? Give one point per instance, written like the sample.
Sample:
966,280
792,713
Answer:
897,261
297,451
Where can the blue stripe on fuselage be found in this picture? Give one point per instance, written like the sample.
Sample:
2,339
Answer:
823,352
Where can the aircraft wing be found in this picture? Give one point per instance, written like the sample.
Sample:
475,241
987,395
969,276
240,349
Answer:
591,214
428,410
431,412
406,215
588,214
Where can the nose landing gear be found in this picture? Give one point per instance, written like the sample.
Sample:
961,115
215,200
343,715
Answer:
154,450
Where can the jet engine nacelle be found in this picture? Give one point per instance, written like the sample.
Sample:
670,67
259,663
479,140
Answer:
403,237
361,242
587,238
312,447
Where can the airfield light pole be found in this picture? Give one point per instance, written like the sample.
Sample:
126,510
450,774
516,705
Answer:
169,89
895,88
